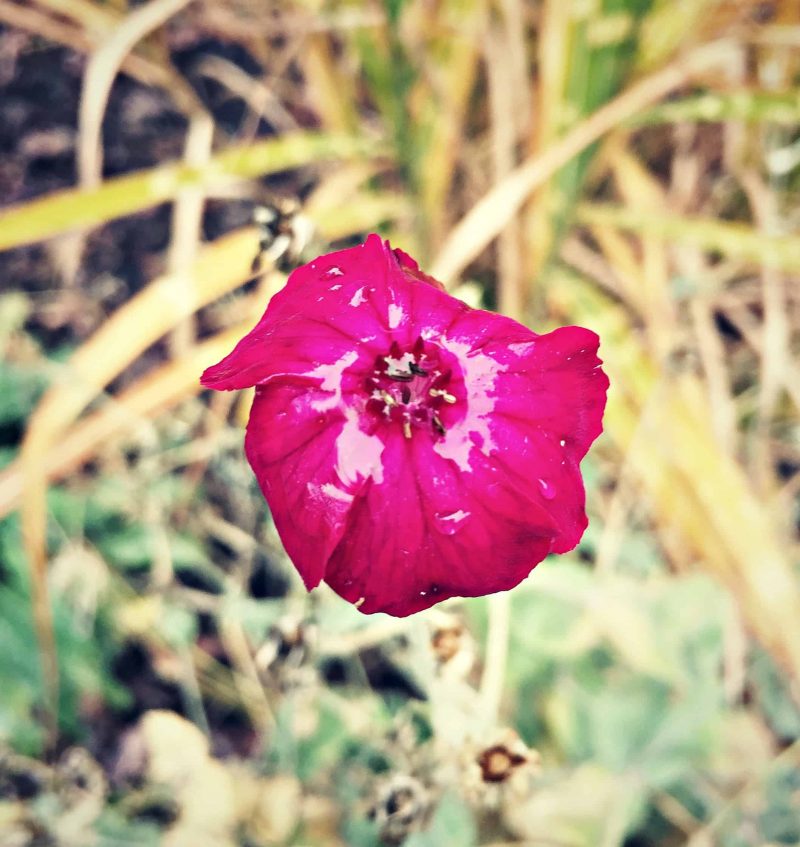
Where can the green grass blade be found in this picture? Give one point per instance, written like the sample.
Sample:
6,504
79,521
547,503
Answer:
64,211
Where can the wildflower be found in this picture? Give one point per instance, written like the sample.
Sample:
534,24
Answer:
412,448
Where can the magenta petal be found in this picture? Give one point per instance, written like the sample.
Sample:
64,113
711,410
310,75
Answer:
569,386
357,299
427,532
549,410
311,462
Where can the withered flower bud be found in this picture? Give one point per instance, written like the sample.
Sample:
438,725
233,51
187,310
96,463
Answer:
505,757
447,641
498,762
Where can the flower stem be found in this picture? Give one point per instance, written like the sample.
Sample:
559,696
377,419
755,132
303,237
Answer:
494,669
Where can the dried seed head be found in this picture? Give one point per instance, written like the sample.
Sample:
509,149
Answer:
506,757
286,649
401,807
453,647
447,640
22,778
498,762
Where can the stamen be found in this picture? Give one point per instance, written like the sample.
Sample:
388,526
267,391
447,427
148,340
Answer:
445,395
422,391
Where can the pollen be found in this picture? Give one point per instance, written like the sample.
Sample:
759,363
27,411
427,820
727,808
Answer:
412,388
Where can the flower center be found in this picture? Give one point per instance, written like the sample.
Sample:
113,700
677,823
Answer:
411,388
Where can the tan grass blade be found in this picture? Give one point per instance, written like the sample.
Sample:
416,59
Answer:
669,25
142,321
63,32
93,17
638,187
162,389
101,70
452,42
168,300
491,213
553,110
694,487
506,83
332,90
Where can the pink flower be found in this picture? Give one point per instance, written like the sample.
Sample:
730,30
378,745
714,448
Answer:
412,448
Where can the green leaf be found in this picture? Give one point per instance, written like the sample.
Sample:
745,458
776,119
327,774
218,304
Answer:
452,826
772,692
20,389
82,657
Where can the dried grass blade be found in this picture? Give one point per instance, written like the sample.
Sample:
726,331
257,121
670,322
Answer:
693,484
146,398
102,68
143,320
491,213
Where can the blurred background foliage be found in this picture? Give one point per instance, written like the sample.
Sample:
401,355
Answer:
628,165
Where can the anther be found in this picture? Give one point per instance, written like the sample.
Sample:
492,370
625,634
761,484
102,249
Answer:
407,428
438,425
406,394
445,395
416,369
388,399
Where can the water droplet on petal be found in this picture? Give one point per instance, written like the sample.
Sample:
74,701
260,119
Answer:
359,297
396,315
547,489
448,523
